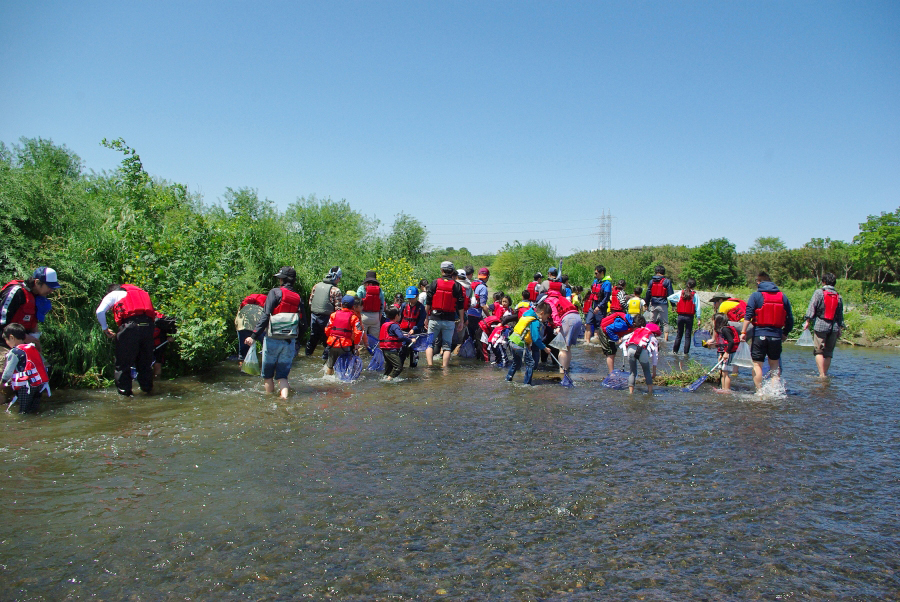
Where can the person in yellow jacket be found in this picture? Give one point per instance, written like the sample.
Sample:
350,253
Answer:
344,332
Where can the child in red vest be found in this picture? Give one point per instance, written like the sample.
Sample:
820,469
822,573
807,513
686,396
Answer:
393,343
24,372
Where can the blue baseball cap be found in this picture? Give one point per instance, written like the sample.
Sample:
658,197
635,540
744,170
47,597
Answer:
412,292
348,300
47,276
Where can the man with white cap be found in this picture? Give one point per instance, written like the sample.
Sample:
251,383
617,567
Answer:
18,303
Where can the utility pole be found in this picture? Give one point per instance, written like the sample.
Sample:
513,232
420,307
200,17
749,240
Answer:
604,235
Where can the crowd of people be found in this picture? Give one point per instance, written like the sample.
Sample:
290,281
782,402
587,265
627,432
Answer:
456,310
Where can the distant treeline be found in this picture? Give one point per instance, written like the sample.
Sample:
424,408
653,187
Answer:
873,256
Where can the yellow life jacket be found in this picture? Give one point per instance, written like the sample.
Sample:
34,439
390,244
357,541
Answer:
727,306
521,335
634,306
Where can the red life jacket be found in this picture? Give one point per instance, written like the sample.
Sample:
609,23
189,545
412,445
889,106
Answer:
136,303
372,298
531,289
614,303
521,311
290,302
488,324
387,340
157,331
721,341
564,306
443,299
499,310
34,374
832,299
341,333
658,288
26,315
254,299
640,338
736,313
409,315
556,285
772,313
686,305
610,319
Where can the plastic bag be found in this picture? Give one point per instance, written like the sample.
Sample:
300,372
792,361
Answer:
251,362
559,342
806,339
742,356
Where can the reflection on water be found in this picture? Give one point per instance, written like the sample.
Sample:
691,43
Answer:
459,485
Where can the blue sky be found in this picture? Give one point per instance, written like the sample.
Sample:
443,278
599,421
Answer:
488,121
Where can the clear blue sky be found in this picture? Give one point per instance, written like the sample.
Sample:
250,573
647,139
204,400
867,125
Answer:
488,121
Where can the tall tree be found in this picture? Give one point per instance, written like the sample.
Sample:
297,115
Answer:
768,244
713,263
878,245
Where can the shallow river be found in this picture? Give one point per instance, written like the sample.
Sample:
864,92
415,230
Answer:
458,486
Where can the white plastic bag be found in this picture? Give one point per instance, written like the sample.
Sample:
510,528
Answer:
742,356
806,339
251,362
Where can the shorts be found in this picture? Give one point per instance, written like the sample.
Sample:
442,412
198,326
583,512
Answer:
765,346
608,347
823,344
572,328
727,364
334,353
443,333
593,318
277,357
660,315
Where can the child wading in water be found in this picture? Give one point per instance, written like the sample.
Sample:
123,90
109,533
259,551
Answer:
641,347
24,372
391,342
727,340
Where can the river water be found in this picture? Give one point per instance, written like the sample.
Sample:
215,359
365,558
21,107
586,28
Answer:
458,485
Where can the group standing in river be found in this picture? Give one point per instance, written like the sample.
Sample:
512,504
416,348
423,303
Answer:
455,310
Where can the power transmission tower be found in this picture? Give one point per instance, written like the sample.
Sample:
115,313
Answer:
604,241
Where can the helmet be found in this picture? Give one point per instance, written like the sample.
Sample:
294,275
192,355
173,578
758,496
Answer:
412,292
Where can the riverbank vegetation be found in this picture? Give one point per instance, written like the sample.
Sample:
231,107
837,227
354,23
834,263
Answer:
198,260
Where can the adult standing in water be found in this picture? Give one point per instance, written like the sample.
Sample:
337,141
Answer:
826,310
659,289
135,321
597,301
770,312
19,302
444,311
372,298
279,328
324,300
